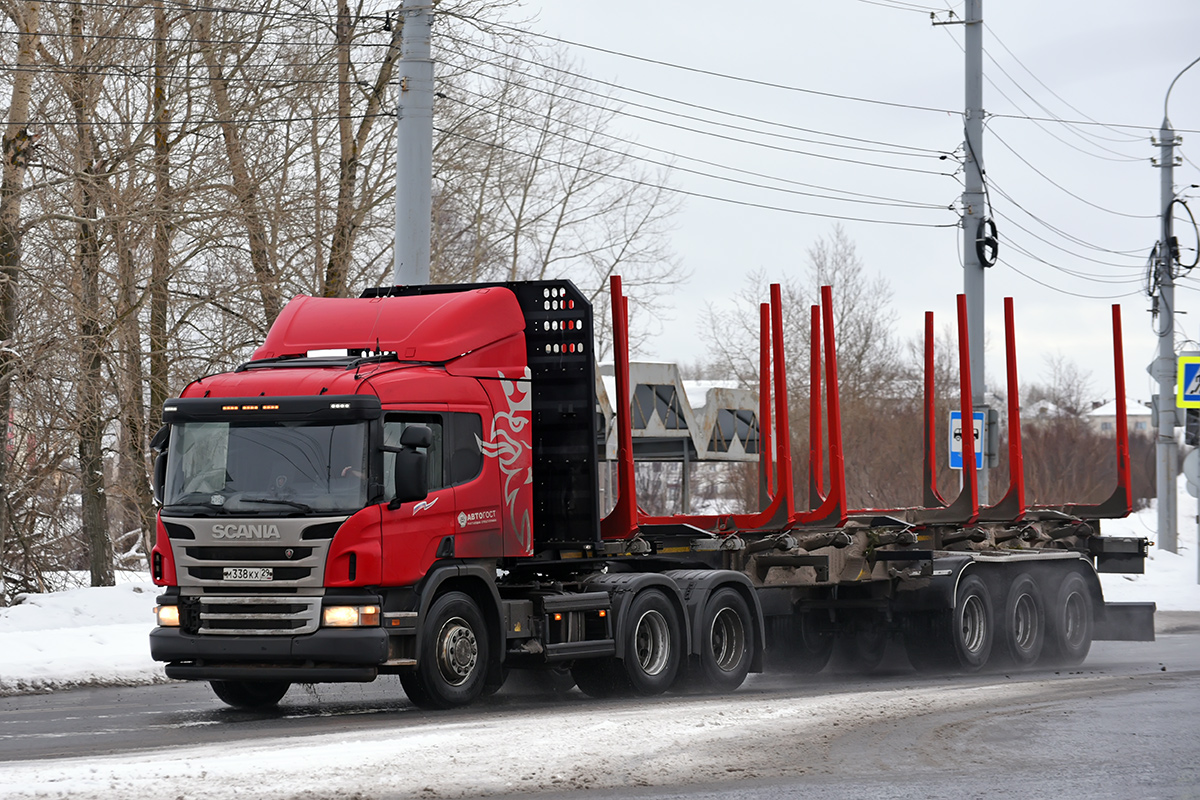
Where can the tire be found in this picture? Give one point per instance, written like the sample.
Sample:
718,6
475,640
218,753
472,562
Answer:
958,640
1023,624
597,677
654,643
798,645
250,694
973,624
1069,623
863,651
452,669
726,642
924,641
556,680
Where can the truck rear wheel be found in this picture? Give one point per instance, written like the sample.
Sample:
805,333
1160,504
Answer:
727,641
1069,622
653,643
1023,626
453,665
250,694
597,677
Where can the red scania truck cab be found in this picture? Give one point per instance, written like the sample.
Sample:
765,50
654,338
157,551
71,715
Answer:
314,506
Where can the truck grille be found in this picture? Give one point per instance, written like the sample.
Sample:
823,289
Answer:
259,616
295,553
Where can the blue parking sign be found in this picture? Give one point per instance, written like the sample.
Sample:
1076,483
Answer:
956,440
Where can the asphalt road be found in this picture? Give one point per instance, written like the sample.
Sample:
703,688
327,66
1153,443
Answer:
1124,725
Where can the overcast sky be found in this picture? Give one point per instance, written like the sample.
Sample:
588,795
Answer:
1107,61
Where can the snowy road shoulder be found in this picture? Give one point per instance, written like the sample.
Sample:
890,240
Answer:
677,741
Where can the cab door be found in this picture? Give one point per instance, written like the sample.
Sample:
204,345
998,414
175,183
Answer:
415,533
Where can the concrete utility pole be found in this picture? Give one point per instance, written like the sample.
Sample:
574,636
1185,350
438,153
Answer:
414,147
1167,449
1165,367
974,214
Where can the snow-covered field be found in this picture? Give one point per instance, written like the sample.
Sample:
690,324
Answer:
99,636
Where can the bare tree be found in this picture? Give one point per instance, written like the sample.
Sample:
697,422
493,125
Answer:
17,151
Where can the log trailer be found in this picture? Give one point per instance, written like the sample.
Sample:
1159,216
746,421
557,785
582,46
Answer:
425,504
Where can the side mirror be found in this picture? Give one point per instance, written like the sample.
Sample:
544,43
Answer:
160,476
412,467
160,440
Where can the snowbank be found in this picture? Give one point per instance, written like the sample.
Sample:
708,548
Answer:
1170,579
78,637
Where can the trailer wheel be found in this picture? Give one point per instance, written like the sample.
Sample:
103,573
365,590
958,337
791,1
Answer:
250,694
653,643
1023,627
798,644
1069,623
863,651
959,639
454,657
973,626
727,641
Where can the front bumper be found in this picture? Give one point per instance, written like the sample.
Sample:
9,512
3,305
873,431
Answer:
327,655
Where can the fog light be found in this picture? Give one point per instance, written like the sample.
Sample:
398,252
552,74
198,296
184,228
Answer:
168,616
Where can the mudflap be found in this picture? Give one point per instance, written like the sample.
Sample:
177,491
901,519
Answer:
1126,622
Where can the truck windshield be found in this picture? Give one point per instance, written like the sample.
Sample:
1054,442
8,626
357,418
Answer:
266,468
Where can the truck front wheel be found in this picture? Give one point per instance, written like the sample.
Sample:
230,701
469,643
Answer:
454,655
250,694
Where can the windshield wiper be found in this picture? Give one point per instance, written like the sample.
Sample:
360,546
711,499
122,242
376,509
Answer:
278,500
195,504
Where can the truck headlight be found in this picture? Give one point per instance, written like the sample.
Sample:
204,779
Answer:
168,616
350,616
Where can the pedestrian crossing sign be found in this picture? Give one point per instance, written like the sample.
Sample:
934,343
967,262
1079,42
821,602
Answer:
1189,382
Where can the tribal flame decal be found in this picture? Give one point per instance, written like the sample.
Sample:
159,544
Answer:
510,446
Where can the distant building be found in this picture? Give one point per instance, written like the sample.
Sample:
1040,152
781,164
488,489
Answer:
1103,419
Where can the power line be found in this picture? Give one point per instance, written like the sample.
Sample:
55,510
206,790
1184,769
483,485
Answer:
879,201
673,154
687,193
1051,91
898,6
1017,106
1053,288
1064,189
1060,232
724,76
664,98
715,135
1120,156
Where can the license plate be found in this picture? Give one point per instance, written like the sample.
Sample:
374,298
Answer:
248,573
